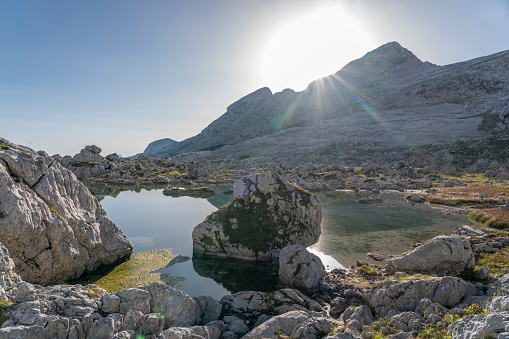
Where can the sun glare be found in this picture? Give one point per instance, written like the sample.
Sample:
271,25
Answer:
312,46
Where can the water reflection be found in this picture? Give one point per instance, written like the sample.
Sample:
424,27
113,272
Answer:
349,231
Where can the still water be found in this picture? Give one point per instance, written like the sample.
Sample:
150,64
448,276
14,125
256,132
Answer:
152,220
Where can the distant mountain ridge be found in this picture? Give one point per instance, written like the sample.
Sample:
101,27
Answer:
386,104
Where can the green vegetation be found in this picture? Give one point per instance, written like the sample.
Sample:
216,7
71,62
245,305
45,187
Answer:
492,217
434,332
366,270
4,147
251,225
382,325
135,272
4,303
495,262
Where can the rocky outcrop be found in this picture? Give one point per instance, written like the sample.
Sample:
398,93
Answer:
394,295
8,278
54,229
295,324
442,255
298,268
451,115
267,213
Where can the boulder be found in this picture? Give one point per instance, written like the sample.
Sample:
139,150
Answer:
300,269
90,153
442,255
54,229
406,295
251,304
295,324
480,325
267,213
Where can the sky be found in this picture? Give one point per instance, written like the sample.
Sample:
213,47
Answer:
120,74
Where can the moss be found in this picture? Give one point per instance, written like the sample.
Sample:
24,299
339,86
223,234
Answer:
4,147
2,215
134,272
207,240
4,304
251,225
297,271
366,270
495,262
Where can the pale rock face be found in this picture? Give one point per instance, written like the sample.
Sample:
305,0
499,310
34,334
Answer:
54,228
89,154
442,255
8,279
300,269
266,214
476,326
295,324
406,295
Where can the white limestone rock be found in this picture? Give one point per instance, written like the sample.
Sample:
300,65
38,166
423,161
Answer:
266,214
442,255
298,268
54,229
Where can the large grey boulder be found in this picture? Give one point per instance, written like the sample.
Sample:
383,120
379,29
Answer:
442,255
54,229
267,213
298,268
406,295
480,325
297,325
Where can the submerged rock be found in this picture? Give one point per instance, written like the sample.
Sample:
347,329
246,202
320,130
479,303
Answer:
267,213
54,228
442,255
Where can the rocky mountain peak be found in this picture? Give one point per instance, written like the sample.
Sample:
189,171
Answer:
389,61
250,101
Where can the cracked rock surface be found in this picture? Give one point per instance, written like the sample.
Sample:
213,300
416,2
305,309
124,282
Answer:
54,229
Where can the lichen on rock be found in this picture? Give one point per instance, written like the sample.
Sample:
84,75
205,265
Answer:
266,214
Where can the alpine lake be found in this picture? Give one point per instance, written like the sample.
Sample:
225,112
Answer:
154,221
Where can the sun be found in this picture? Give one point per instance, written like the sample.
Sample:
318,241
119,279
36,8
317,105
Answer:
312,46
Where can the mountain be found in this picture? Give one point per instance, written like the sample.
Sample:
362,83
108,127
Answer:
386,105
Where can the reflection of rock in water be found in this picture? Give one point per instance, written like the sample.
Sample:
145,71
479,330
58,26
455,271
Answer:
174,282
238,275
220,199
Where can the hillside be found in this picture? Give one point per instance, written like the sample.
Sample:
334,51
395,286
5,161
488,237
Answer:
386,106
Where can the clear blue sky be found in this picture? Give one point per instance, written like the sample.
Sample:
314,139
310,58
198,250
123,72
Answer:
123,73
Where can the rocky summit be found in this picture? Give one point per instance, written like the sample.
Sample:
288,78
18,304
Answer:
267,213
54,229
386,106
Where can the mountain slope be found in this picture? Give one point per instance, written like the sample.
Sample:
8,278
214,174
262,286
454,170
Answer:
386,102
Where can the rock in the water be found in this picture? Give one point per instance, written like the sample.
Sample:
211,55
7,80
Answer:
300,269
442,255
54,228
266,214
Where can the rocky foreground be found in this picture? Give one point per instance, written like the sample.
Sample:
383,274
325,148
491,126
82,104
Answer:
454,286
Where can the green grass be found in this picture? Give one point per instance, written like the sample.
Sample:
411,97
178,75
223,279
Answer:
135,272
496,262
4,303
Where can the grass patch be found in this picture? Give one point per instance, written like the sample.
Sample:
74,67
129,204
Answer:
3,307
496,262
366,270
492,217
134,272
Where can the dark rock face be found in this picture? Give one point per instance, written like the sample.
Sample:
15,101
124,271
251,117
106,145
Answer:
54,229
266,214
